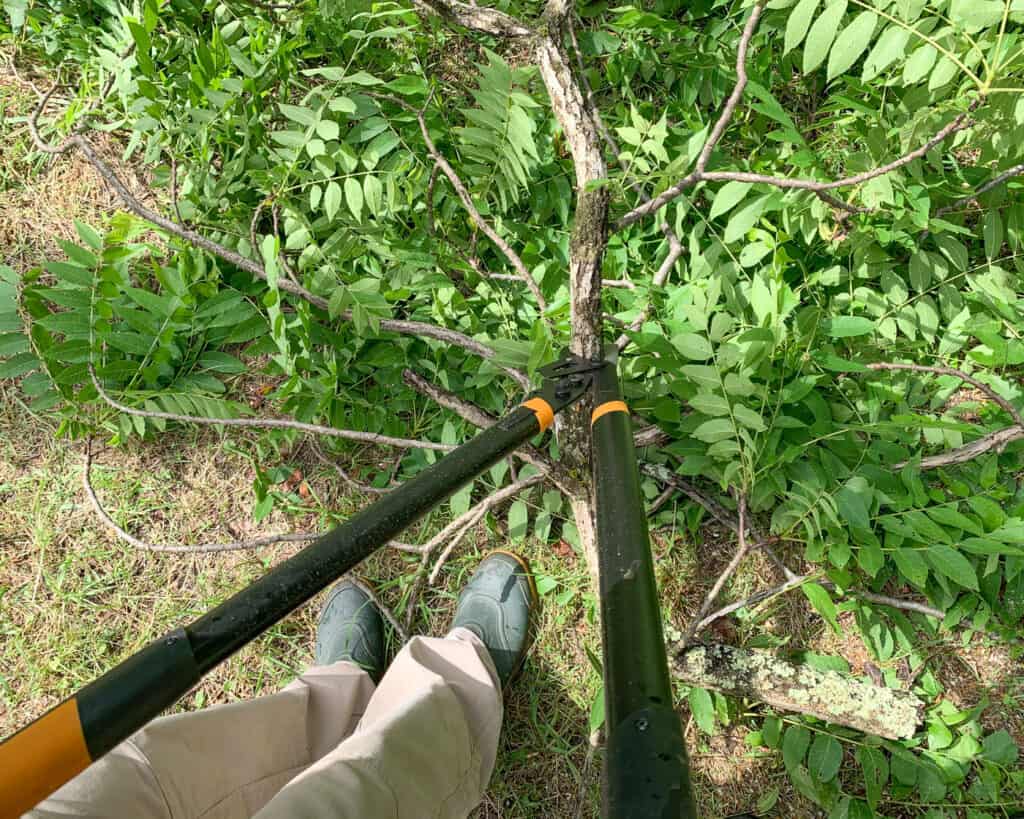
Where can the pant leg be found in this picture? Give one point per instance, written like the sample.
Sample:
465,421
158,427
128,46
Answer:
425,747
223,762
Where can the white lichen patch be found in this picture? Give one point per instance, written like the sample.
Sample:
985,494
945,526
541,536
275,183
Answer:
825,694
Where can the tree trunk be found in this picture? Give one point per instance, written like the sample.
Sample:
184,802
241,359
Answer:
587,247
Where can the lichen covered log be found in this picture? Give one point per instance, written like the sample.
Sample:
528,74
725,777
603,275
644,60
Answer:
828,695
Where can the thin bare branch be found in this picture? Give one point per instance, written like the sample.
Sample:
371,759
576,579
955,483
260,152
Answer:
959,123
270,423
717,511
456,539
449,400
661,500
741,552
841,204
737,92
753,600
174,189
434,171
700,174
1007,407
142,545
993,442
389,615
413,328
467,202
275,6
456,530
799,580
995,182
508,277
896,603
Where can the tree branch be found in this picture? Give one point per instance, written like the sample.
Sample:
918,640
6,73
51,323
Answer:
1007,407
155,547
700,174
479,418
270,423
737,92
476,18
997,440
362,486
799,580
1016,170
414,328
467,202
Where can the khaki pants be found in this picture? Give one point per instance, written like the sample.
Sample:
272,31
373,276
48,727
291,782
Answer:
421,745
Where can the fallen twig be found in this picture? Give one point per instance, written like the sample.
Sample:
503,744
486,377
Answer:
717,511
362,486
799,580
742,548
661,500
456,530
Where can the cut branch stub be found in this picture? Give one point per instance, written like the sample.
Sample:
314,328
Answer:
827,695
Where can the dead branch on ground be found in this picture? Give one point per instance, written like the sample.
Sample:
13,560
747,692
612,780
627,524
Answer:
787,686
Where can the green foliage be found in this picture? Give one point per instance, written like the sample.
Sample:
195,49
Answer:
753,358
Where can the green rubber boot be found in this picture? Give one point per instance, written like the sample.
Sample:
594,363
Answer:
497,605
351,628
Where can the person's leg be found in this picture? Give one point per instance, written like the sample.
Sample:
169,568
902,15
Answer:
427,743
226,762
